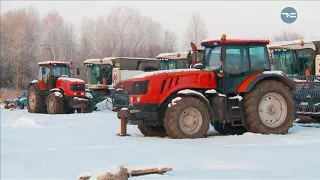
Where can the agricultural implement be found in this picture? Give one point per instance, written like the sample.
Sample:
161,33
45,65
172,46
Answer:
54,92
233,88
20,101
300,61
108,77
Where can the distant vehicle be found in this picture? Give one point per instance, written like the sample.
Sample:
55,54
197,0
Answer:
55,92
300,61
20,102
107,77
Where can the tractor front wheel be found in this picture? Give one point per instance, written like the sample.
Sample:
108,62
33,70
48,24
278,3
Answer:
269,108
36,103
21,106
55,104
152,131
188,118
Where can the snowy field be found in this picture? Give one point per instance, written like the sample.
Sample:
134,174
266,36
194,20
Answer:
41,146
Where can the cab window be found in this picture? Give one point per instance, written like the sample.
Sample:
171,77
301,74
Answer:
259,58
236,60
212,58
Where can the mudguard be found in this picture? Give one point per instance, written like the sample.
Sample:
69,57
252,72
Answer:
250,82
193,93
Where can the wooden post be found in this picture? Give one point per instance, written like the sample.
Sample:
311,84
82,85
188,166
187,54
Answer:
123,114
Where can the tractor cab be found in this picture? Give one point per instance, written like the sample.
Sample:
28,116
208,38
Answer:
50,71
234,60
169,61
295,58
99,72
301,63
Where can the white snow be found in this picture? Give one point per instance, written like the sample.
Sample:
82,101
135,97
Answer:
58,94
222,95
34,81
146,74
237,97
71,79
89,95
40,146
211,91
273,72
189,91
177,55
173,102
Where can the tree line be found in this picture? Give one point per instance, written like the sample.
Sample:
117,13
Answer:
27,38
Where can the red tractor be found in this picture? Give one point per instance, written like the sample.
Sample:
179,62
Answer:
233,88
55,92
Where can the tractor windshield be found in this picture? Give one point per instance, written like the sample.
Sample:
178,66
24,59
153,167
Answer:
97,73
58,70
212,58
168,64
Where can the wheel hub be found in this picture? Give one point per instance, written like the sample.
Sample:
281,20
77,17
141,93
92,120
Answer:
190,121
272,110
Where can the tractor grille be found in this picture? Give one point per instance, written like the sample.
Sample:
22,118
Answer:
77,87
140,87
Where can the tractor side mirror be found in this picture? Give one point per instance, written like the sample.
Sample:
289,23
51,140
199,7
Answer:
198,66
78,71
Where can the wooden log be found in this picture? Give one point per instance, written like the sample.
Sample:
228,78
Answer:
149,171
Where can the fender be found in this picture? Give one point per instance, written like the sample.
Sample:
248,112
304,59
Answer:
251,81
35,83
193,93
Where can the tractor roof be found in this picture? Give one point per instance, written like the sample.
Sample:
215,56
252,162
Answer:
48,63
234,41
292,45
109,60
106,60
175,56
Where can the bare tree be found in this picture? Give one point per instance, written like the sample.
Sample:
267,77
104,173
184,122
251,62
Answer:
170,41
196,30
287,36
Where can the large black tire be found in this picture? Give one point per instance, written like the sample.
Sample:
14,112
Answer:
35,102
55,104
6,106
275,98
88,108
152,131
228,129
192,108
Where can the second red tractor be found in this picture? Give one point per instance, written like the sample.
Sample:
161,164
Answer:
233,88
55,92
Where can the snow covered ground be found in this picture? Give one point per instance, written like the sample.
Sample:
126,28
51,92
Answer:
41,146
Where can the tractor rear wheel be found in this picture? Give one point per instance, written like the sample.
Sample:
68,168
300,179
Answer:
152,131
55,104
316,118
36,103
188,118
228,129
269,108
6,106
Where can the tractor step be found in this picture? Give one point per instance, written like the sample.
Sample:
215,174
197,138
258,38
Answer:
236,111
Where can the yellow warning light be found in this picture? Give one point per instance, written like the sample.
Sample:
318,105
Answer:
302,42
100,60
224,36
70,61
178,54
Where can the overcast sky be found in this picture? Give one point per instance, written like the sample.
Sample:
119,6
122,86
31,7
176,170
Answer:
239,19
